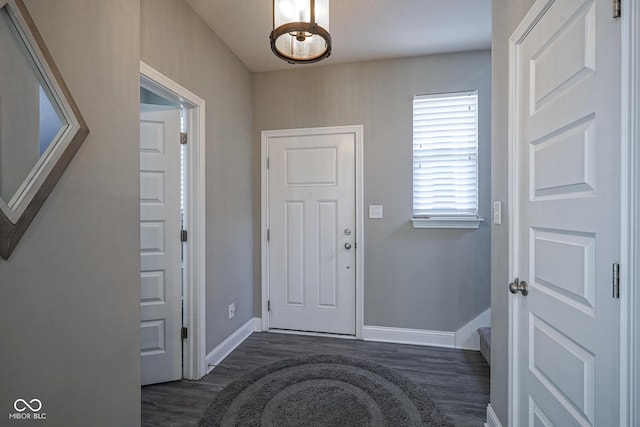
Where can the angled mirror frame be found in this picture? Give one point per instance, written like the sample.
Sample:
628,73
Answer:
24,202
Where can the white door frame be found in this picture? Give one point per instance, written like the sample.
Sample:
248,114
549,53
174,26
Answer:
357,131
630,221
194,309
630,205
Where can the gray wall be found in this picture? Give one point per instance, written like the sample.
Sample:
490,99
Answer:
69,293
507,14
422,279
177,43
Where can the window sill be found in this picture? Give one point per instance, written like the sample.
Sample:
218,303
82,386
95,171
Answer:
447,222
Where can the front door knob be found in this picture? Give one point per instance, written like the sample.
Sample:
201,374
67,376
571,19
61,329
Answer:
519,286
347,246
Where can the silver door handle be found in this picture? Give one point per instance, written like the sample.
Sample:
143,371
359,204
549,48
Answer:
347,245
519,286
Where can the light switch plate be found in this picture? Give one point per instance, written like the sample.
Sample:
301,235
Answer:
375,212
497,213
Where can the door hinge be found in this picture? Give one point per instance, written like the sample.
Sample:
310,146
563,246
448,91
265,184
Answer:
183,138
183,235
184,333
268,234
616,280
617,8
268,305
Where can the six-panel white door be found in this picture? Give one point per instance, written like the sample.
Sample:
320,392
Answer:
565,137
312,233
160,246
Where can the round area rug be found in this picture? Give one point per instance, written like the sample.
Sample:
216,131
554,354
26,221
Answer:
324,390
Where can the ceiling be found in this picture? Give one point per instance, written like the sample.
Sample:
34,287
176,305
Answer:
361,30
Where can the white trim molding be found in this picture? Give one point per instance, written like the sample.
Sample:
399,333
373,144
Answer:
223,349
530,19
465,338
409,336
447,222
194,314
492,418
357,131
630,220
311,334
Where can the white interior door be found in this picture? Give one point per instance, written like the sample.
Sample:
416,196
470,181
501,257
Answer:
312,232
160,246
566,194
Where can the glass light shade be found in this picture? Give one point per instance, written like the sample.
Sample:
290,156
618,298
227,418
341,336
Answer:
300,36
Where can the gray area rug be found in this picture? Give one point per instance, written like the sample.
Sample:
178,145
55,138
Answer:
323,390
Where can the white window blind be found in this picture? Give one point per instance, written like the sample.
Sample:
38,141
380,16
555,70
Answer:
445,155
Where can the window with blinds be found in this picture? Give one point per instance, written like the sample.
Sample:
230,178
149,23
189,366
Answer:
445,155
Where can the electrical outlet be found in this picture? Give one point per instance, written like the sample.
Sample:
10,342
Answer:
232,310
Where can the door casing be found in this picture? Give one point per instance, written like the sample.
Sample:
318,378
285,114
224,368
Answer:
630,221
194,309
357,131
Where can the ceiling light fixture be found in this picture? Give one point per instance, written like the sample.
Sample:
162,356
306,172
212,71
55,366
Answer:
301,30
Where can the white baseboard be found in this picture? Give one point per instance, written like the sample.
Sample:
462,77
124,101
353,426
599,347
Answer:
409,336
218,354
257,324
311,334
492,418
467,337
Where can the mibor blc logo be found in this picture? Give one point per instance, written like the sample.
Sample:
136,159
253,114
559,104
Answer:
28,410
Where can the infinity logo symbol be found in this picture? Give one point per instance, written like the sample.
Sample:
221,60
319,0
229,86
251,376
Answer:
21,405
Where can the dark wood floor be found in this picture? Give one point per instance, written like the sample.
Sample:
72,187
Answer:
458,380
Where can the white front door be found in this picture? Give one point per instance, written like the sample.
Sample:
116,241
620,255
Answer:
312,231
160,246
565,141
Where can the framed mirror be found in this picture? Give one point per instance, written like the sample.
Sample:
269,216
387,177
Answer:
41,127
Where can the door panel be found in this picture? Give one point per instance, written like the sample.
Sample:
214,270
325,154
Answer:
160,258
311,203
294,253
327,261
567,216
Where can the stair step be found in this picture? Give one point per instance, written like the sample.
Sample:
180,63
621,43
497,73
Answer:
485,343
